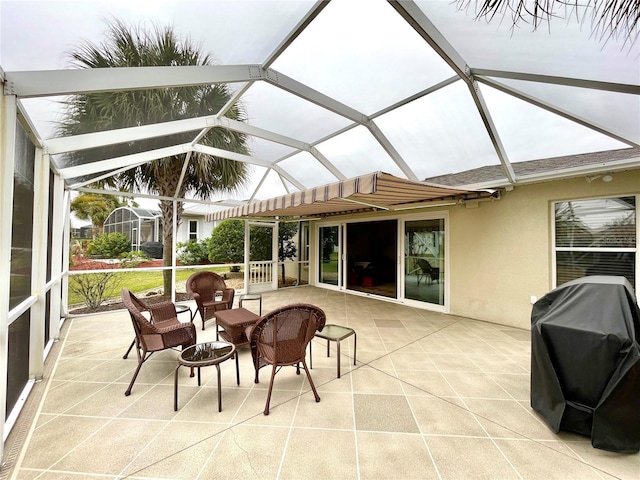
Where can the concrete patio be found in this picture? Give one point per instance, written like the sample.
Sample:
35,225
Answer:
432,396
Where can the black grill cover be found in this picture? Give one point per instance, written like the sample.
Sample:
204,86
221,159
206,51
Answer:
585,361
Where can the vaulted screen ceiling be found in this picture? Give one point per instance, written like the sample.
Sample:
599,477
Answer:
340,89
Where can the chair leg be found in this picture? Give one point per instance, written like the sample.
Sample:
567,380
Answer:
273,376
135,375
313,387
129,350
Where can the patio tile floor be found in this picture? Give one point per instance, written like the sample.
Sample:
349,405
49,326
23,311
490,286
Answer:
432,396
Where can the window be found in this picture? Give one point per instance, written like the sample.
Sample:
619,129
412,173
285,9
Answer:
193,229
595,237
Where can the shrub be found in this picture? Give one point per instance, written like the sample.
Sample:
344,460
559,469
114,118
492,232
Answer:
109,245
93,287
226,243
133,259
193,252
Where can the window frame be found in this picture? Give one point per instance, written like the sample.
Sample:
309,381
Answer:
555,249
191,234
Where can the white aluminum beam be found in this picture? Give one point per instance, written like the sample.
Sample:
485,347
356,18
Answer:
303,91
39,264
280,171
47,83
324,161
8,114
238,157
391,150
295,32
553,109
427,30
570,82
492,131
260,183
57,236
56,146
124,161
221,203
242,127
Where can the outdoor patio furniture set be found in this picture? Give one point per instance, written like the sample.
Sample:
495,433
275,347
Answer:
278,338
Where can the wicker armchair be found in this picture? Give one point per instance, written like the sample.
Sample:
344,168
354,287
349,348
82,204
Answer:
427,271
162,331
202,287
280,338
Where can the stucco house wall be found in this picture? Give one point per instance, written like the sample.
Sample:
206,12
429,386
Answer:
500,251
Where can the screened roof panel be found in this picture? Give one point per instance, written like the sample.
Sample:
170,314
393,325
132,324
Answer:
367,64
281,112
440,133
529,132
618,112
356,152
358,81
267,150
233,31
306,169
563,48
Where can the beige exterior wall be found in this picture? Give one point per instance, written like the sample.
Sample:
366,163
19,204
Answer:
500,252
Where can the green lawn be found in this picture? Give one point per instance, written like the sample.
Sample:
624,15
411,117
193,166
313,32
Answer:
134,281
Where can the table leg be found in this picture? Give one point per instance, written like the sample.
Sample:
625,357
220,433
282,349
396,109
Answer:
175,390
219,389
338,360
237,368
355,342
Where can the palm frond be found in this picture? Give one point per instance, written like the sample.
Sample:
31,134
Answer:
609,18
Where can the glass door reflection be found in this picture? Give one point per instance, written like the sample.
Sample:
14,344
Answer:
424,260
329,249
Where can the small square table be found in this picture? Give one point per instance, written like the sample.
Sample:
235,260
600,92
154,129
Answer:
335,333
234,323
251,296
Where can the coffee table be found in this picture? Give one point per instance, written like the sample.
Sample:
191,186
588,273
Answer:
204,355
234,323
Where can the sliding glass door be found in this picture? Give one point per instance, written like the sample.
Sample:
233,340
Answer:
330,253
372,257
424,260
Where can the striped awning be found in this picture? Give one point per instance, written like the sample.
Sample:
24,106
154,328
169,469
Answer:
372,192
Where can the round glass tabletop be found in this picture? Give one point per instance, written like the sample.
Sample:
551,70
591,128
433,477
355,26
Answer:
209,353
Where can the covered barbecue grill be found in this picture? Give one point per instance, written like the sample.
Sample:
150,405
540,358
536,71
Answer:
585,361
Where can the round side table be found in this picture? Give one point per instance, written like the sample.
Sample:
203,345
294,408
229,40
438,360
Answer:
204,355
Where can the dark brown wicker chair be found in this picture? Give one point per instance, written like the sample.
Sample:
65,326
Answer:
162,331
280,338
202,287
427,271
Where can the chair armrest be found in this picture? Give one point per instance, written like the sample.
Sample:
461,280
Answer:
177,326
228,294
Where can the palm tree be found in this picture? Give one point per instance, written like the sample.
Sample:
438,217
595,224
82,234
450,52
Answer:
96,208
127,46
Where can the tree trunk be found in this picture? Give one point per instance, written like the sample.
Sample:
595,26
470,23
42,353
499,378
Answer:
166,207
